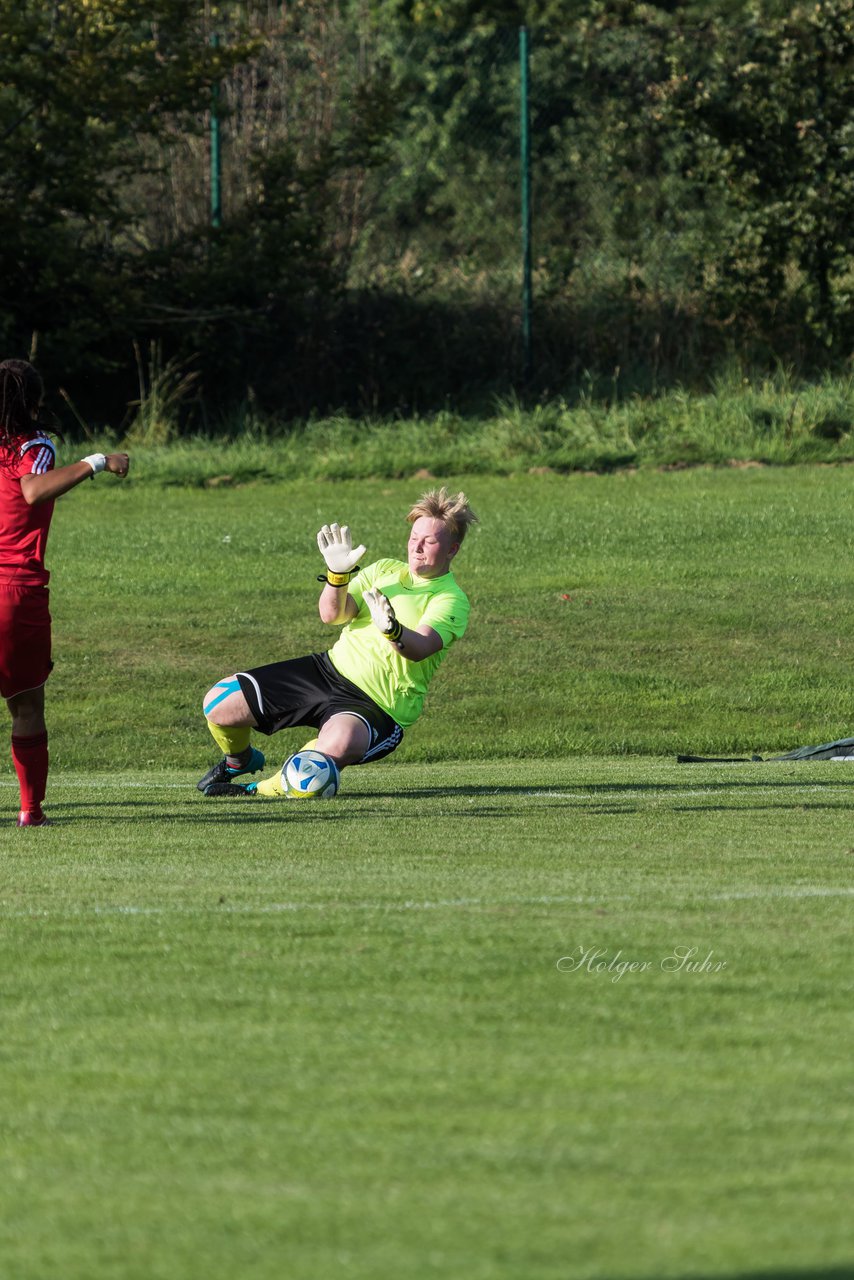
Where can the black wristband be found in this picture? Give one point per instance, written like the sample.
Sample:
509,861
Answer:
396,631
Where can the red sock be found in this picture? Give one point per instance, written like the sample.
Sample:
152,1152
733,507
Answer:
30,758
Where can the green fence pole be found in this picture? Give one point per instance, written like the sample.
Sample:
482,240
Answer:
216,156
525,158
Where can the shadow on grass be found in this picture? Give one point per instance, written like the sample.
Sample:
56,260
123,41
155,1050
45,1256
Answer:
147,811
595,796
842,1272
592,788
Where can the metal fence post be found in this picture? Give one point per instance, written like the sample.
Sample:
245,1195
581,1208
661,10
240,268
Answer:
216,157
525,160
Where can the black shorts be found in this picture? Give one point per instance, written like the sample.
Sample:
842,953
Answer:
308,691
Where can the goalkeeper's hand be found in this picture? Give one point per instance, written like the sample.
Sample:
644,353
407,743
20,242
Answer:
382,614
342,558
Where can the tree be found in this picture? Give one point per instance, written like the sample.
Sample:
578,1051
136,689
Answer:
104,113
763,117
82,84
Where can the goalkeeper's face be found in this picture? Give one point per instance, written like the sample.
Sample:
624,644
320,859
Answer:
431,548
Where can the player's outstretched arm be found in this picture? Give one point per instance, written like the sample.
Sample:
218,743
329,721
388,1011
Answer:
414,644
342,560
340,556
53,484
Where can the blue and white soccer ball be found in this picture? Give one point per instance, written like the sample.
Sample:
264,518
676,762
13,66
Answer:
309,774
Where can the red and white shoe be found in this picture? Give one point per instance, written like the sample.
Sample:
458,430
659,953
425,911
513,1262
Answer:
26,818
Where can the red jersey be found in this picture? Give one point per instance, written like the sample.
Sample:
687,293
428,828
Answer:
24,529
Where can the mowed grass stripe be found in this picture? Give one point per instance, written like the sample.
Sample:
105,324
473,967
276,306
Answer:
334,906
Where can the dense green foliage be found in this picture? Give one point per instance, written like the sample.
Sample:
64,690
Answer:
692,175
82,85
773,421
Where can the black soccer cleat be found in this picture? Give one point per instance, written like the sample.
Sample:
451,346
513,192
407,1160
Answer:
220,772
214,789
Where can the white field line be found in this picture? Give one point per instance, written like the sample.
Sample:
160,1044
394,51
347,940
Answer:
769,893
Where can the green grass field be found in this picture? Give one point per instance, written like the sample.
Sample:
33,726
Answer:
528,1000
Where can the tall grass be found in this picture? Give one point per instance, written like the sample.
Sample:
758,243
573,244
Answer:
164,386
772,421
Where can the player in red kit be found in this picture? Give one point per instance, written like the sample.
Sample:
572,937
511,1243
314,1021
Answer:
30,483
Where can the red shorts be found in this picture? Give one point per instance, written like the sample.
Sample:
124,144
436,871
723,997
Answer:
24,639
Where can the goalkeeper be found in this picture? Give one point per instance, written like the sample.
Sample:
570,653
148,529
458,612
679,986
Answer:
399,620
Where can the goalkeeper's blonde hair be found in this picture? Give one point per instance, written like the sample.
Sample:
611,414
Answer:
451,508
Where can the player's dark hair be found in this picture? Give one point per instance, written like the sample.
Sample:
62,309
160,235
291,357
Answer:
21,394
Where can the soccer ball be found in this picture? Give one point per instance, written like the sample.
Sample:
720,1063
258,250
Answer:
310,774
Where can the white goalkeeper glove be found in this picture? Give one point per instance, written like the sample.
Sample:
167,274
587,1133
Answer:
342,559
382,614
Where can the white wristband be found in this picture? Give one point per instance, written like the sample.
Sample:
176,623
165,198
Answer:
97,461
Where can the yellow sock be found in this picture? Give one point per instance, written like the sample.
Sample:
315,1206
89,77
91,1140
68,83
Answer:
272,786
230,741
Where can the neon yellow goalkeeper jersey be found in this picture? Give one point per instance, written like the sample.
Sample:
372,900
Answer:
363,655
